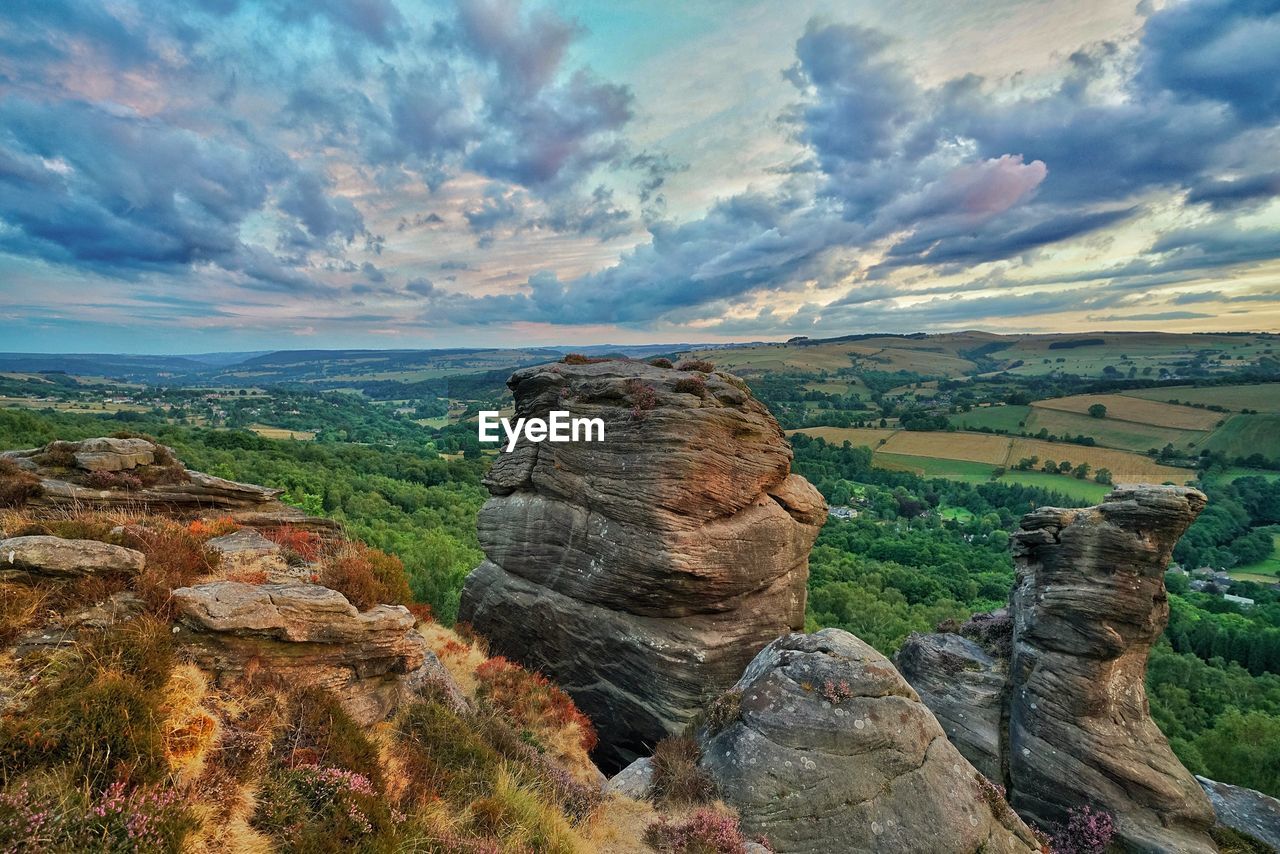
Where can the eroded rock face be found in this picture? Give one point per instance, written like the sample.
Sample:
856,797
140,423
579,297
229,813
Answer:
1089,603
643,572
831,750
964,686
309,635
54,557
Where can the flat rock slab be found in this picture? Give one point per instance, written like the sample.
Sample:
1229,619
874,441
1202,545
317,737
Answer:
290,612
309,635
1245,810
54,557
114,454
244,542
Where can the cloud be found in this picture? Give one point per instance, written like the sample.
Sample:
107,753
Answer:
954,177
1153,315
251,144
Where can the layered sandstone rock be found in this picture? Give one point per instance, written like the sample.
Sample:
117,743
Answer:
160,482
1088,604
822,746
308,634
642,572
54,557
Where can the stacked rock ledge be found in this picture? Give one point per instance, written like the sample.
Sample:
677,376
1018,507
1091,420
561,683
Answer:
308,634
650,567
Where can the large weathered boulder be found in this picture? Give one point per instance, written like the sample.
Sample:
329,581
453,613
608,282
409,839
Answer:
1088,604
54,557
107,454
1245,810
648,568
964,686
822,746
307,634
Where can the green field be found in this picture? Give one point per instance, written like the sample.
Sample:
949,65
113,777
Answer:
1264,397
1267,569
1006,418
970,472
1086,490
956,514
1113,433
1243,435
964,470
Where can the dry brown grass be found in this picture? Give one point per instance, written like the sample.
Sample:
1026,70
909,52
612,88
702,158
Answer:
1123,408
677,777
869,436
1125,467
973,447
459,656
190,729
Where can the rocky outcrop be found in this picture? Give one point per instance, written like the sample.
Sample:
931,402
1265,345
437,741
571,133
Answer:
113,454
822,746
1245,810
964,686
1088,604
54,557
648,568
1069,725
105,472
307,634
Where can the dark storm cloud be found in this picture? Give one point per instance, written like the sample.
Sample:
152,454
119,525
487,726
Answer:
83,185
1237,192
1219,51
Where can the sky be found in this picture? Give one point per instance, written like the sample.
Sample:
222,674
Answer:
180,177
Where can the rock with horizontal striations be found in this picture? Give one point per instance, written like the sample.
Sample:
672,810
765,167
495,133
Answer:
1245,810
829,749
307,634
114,454
66,471
963,685
646,569
1089,602
54,557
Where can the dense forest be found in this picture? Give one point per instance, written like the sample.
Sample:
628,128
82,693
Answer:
916,552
